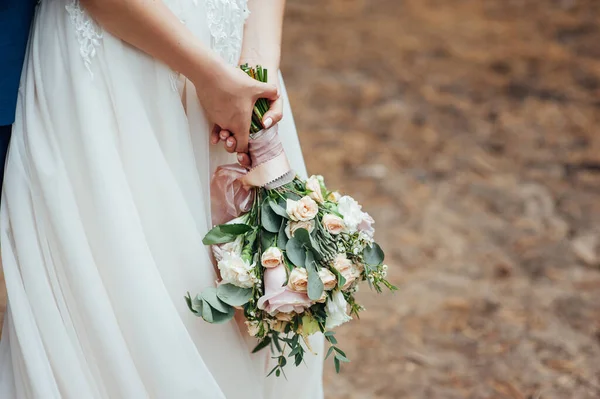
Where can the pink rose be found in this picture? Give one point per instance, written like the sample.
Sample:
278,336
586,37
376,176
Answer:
277,297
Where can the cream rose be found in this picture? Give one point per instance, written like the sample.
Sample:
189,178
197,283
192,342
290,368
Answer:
298,280
278,325
345,267
291,227
281,316
323,298
334,224
304,209
314,186
272,257
328,279
256,328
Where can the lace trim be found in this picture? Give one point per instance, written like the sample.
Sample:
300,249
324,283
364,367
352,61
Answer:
89,34
226,20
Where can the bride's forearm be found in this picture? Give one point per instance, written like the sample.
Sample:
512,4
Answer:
262,34
150,26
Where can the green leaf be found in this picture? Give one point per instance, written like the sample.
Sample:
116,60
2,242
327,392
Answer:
315,285
298,359
278,373
233,295
267,239
276,368
329,333
278,209
262,344
342,358
210,296
296,252
373,255
216,235
282,238
235,229
336,361
332,339
341,352
329,352
269,219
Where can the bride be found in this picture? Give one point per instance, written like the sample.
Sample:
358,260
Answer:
106,199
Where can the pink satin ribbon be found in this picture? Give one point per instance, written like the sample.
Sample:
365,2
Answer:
231,188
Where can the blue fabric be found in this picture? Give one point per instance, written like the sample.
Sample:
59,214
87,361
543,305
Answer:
15,20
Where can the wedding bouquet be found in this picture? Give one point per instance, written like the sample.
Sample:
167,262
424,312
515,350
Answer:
290,253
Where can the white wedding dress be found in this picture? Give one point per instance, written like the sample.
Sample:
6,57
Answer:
105,203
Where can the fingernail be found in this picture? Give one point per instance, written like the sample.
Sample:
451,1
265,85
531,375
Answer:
240,158
268,122
229,144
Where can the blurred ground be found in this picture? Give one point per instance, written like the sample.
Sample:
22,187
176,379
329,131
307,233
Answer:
469,129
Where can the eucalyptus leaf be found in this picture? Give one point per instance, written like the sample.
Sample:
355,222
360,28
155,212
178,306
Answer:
315,285
207,312
282,238
278,209
296,252
269,219
233,295
373,255
210,296
303,236
267,239
220,318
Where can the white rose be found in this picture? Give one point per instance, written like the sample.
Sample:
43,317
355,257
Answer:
334,224
236,271
234,247
351,211
328,279
298,280
291,227
304,209
272,257
314,186
336,309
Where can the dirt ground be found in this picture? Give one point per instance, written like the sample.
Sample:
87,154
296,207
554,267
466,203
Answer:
468,129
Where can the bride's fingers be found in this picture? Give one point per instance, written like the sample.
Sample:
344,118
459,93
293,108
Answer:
230,144
244,159
274,114
214,134
224,134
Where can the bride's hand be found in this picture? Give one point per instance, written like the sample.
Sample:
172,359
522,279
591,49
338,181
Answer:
271,117
228,97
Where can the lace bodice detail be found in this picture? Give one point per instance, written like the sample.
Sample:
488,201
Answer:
225,19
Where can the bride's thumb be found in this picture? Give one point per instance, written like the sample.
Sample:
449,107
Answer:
268,91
